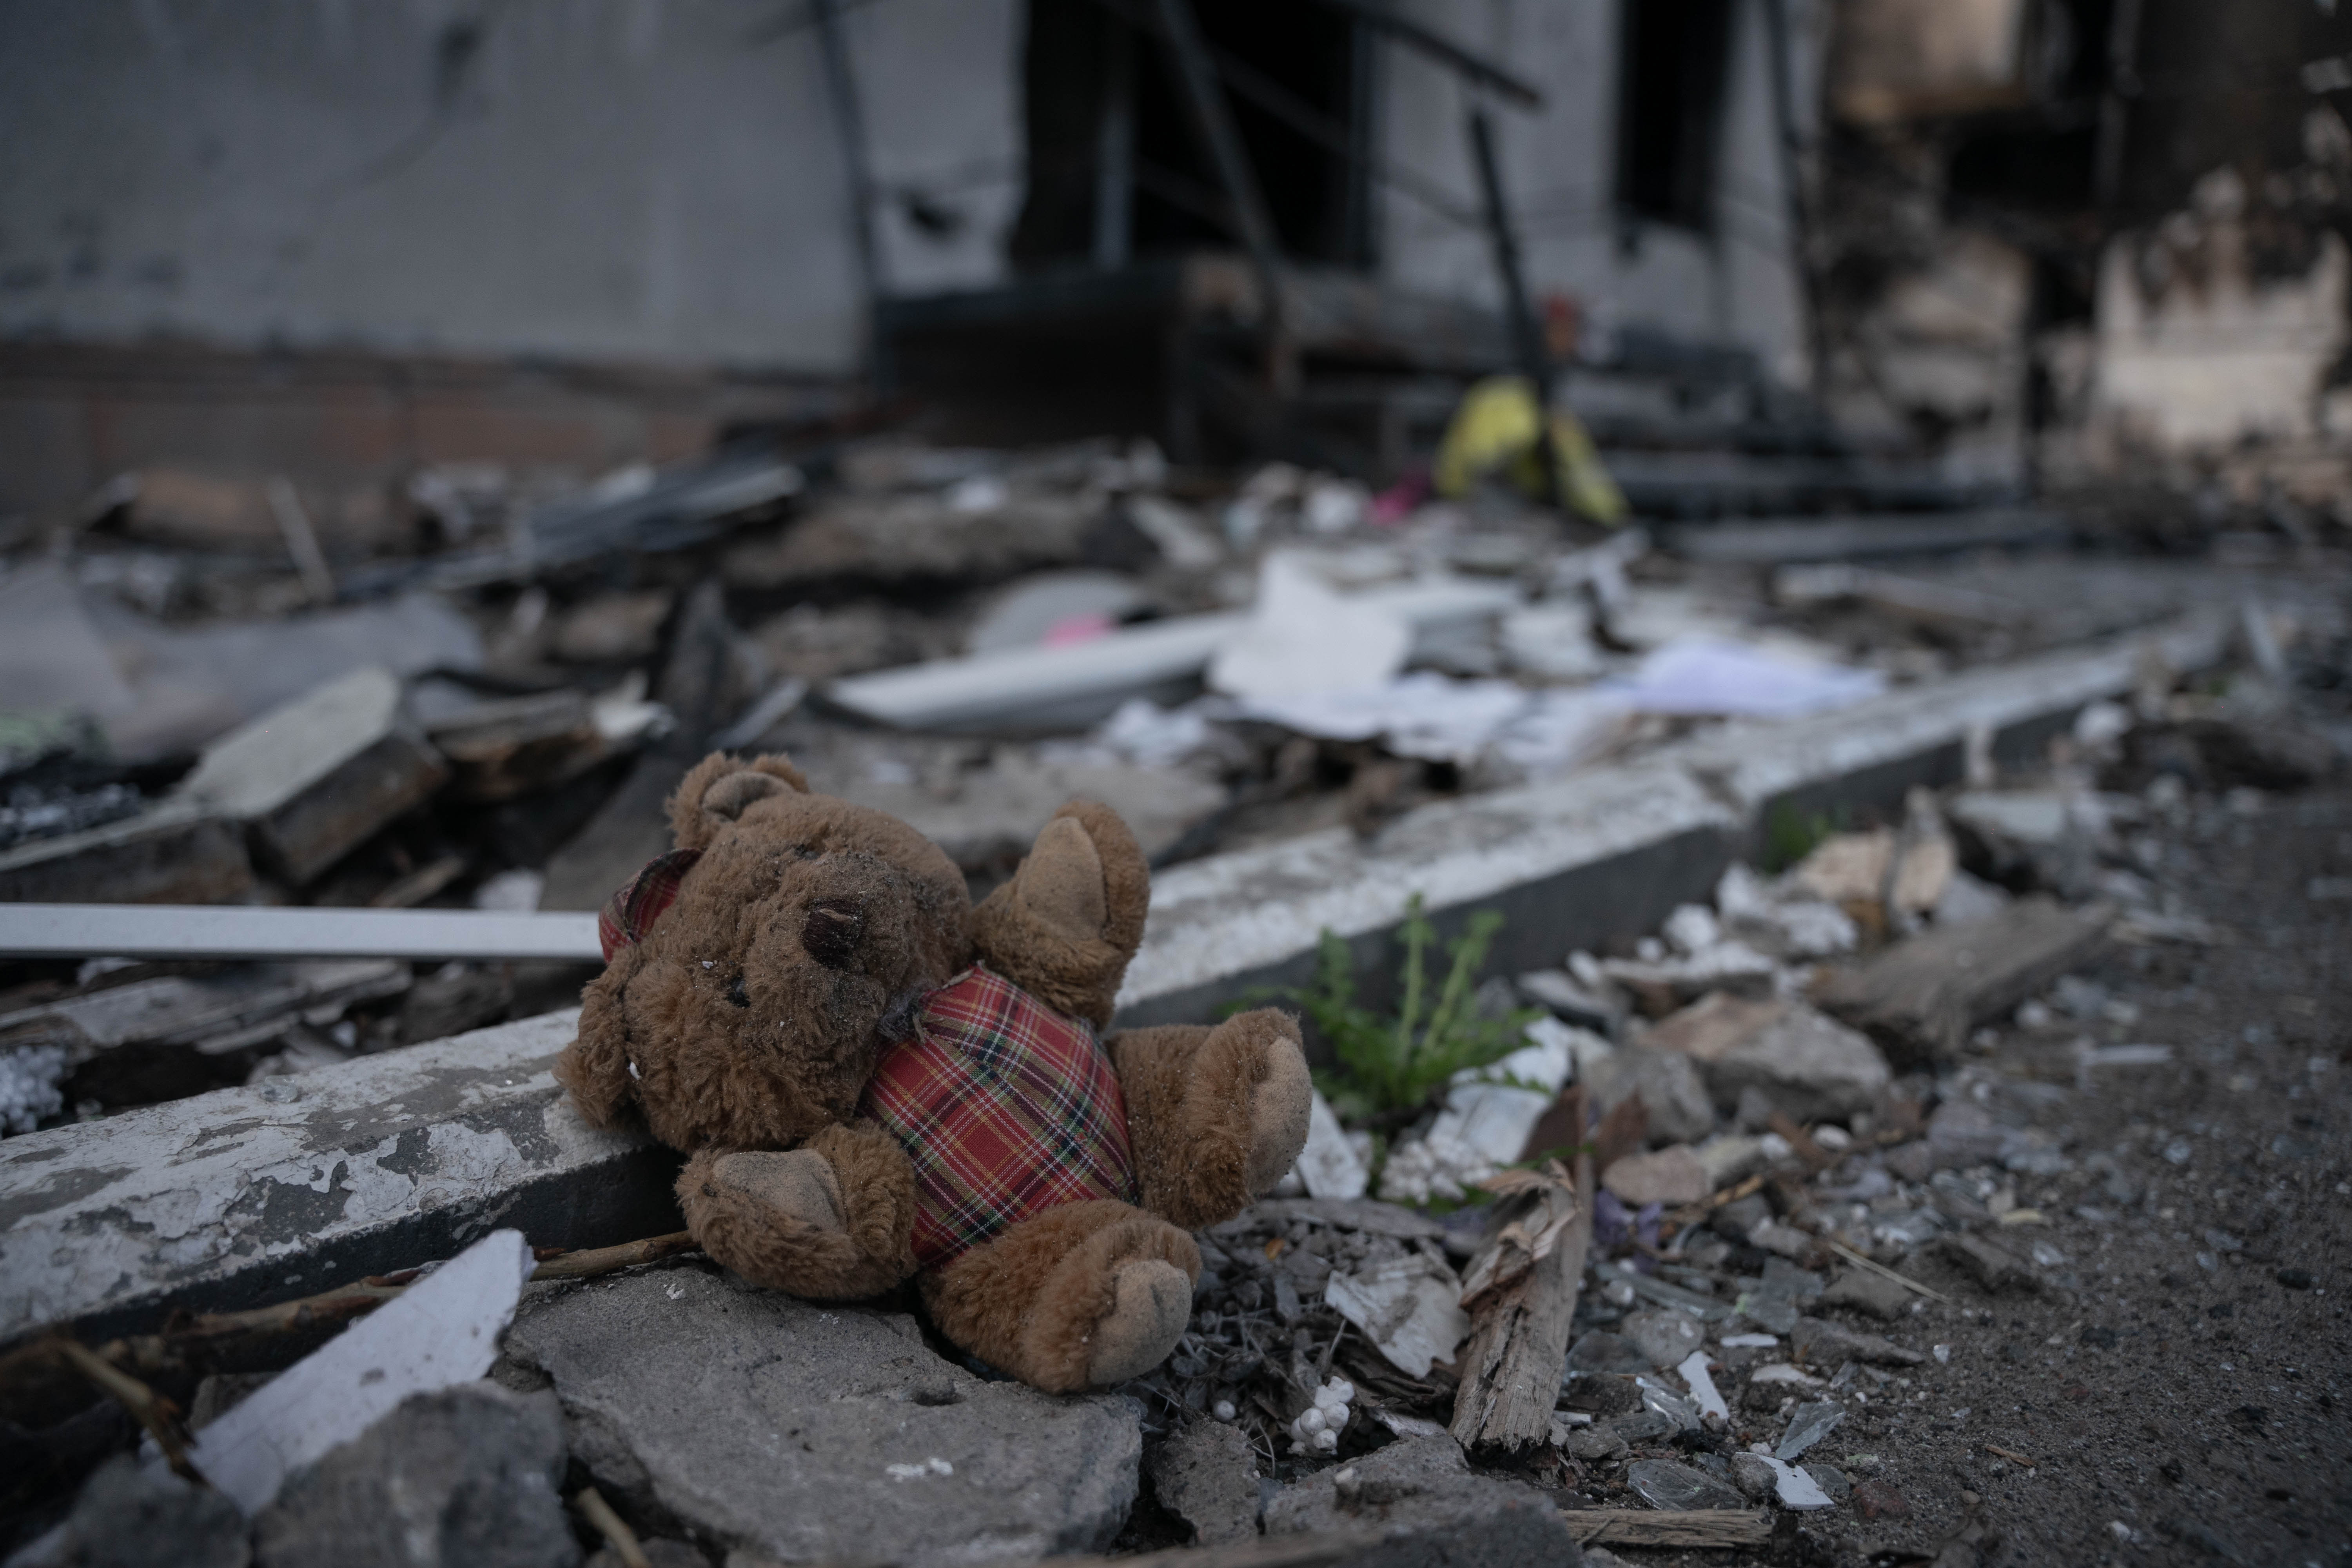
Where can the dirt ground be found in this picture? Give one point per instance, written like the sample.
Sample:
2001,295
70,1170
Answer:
2177,1384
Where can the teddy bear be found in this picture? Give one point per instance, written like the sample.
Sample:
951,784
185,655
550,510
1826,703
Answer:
873,1078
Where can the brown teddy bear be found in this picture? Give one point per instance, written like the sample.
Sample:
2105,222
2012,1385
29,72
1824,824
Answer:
872,1078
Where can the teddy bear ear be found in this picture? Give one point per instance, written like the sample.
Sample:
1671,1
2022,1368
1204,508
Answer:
721,787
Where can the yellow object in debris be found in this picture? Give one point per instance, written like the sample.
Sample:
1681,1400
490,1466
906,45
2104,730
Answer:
1495,430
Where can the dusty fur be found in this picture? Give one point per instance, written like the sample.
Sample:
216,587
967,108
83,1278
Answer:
1190,1092
1021,940
744,1025
690,825
1030,1301
743,1032
871,1252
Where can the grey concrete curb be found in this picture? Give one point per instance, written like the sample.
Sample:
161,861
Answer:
233,1198
242,1196
1610,852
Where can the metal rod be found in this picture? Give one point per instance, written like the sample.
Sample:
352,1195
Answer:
1444,51
1793,149
1212,120
234,931
1115,150
849,124
1527,339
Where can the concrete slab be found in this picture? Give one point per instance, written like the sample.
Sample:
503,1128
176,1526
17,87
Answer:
246,1195
803,1432
230,1199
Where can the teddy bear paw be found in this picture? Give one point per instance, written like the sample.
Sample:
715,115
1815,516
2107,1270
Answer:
799,1184
1280,1107
1152,1302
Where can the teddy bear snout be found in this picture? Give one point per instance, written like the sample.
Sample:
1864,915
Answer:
832,932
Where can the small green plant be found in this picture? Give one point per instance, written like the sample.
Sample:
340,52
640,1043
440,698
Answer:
1791,835
1388,1067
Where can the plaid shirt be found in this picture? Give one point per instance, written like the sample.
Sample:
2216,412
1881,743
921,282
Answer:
1006,1108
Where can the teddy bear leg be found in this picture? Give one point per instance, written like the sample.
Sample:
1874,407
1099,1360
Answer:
1216,1116
831,1220
1081,1295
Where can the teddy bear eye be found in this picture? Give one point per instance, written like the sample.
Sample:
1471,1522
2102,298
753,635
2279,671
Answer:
736,995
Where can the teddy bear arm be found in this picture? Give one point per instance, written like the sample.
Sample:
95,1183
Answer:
831,1220
1065,925
1215,1116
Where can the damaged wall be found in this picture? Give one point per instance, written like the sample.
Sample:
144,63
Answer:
1737,283
583,179
2203,340
660,179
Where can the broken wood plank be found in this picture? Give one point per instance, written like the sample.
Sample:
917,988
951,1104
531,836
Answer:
178,853
1518,1344
518,745
217,1011
199,931
1920,998
1720,1527
311,778
1304,1551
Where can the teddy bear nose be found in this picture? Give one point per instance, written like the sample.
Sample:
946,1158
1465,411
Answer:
832,932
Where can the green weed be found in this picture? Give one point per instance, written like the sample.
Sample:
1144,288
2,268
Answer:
1391,1068
1791,835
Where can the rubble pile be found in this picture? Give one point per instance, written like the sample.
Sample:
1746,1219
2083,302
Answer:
962,637
1784,1176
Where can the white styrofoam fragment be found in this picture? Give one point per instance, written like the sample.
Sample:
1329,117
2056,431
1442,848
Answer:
441,1330
1328,1165
1702,1386
1793,1488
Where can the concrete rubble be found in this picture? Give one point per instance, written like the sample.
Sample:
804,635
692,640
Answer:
799,1432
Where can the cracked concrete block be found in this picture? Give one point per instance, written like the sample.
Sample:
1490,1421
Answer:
130,1516
794,1432
248,1195
1430,1511
466,1475
1206,1474
313,777
1796,1058
1670,1087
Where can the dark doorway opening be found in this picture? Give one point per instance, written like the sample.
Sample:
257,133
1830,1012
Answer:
1116,171
1673,60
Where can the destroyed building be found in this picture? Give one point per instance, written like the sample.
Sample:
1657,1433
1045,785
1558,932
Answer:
1742,605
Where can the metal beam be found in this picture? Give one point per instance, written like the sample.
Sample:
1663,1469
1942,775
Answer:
1212,120
1526,341
233,930
849,123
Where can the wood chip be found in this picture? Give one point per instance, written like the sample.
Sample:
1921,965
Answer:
1650,1526
1518,1347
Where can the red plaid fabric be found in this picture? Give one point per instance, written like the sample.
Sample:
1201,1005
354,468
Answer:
1006,1108
629,914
